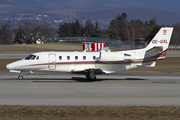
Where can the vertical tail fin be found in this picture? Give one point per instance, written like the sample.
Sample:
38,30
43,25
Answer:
161,39
160,42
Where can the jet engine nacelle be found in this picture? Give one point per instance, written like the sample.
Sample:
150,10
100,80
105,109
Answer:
111,57
108,57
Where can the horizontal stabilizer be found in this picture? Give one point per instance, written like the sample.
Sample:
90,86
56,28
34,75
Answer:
151,64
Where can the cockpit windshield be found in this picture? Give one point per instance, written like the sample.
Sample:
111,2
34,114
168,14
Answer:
30,57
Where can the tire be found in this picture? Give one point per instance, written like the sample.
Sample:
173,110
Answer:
20,77
93,79
89,78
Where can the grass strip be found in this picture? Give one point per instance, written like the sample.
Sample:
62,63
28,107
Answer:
10,49
89,113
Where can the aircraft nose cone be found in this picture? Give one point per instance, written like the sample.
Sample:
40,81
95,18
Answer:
9,66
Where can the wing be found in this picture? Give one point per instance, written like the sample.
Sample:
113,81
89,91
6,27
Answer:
87,71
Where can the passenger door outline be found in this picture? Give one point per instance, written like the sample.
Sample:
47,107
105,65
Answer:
52,61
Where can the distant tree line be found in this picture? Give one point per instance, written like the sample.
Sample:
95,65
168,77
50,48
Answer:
6,32
120,28
32,29
75,29
175,40
26,31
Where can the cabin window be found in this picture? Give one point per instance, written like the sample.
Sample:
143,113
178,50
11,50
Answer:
60,57
84,57
37,58
94,57
76,57
68,57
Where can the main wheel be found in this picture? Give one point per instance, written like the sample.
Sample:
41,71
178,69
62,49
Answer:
93,79
89,78
20,77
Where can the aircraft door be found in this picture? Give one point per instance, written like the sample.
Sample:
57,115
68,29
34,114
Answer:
52,61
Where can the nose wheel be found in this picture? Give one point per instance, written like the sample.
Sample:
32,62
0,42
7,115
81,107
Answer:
20,77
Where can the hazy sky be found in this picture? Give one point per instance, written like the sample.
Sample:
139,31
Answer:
164,5
167,5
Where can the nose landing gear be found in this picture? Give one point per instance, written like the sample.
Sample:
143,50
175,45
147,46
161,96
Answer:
20,77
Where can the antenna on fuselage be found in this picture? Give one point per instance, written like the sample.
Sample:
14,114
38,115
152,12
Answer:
85,50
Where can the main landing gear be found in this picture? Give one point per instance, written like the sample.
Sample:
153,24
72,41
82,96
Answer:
91,78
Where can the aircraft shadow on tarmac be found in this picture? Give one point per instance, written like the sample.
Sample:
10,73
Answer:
75,79
82,79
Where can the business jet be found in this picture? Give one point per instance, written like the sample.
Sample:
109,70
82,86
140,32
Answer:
91,64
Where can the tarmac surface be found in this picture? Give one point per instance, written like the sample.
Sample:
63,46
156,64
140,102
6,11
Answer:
121,89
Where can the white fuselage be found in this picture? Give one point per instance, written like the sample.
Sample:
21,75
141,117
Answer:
109,62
